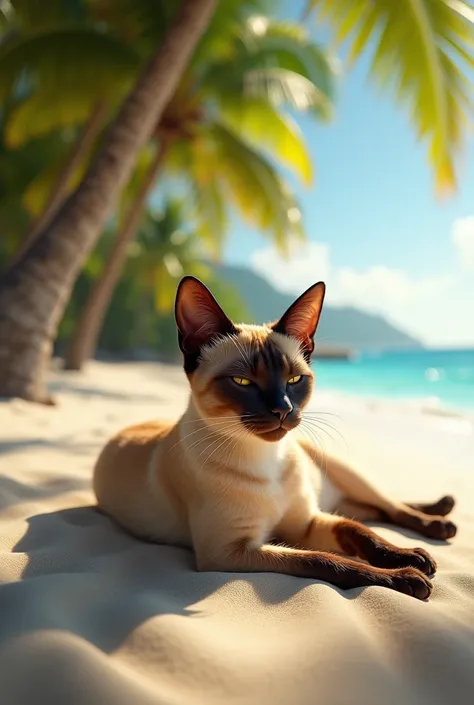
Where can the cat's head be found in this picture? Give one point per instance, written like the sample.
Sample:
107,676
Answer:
258,377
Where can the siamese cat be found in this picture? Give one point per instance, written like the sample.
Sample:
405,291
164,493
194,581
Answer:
234,480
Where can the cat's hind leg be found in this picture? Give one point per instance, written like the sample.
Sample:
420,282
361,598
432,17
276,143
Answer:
364,502
358,511
405,515
364,512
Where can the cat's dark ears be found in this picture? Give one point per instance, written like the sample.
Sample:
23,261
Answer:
301,319
199,317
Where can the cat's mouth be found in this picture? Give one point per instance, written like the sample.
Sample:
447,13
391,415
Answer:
276,431
273,435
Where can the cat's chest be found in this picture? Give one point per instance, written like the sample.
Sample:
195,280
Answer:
269,497
269,465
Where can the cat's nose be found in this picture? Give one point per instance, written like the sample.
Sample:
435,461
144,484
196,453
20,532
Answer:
283,408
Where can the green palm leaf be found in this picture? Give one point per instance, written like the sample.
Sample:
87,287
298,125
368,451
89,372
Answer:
73,67
189,161
210,214
422,51
139,22
289,47
18,169
165,284
33,14
38,191
227,20
264,127
275,61
165,249
283,87
250,182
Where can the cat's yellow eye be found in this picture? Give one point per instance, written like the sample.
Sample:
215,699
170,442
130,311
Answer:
241,381
294,380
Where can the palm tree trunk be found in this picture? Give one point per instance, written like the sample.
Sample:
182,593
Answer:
35,291
84,340
59,190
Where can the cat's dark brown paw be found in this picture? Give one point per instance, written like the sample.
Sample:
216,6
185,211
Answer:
445,505
440,529
441,508
412,582
406,558
421,560
433,527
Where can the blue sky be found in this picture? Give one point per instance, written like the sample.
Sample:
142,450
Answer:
379,235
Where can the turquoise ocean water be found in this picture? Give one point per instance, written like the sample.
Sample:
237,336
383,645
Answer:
445,377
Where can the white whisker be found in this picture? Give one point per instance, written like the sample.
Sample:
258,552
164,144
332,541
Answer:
315,420
214,418
205,427
227,439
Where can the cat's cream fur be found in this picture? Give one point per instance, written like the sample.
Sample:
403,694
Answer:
210,483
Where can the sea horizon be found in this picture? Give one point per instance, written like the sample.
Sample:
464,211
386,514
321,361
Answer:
441,377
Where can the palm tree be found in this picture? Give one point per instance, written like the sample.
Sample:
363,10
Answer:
87,330
167,248
34,292
421,51
212,131
60,85
141,311
51,84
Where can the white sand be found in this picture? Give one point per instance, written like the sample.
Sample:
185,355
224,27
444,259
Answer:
90,615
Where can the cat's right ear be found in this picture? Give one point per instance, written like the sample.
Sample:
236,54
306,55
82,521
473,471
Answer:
199,317
301,319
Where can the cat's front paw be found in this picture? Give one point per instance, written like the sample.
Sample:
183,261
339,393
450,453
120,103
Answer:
409,558
412,582
421,559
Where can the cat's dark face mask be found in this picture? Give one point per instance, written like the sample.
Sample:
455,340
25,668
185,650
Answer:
258,375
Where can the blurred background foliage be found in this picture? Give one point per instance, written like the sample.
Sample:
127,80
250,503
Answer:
226,143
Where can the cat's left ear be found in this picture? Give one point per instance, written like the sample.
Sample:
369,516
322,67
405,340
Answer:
301,319
198,316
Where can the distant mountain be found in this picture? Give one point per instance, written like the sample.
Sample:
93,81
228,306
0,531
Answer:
345,326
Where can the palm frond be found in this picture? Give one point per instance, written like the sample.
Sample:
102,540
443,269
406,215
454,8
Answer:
226,22
210,215
33,14
282,87
278,62
166,248
287,45
263,126
39,190
165,282
69,78
251,183
193,160
142,23
422,51
18,168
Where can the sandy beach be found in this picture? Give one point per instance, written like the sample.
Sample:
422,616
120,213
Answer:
93,616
